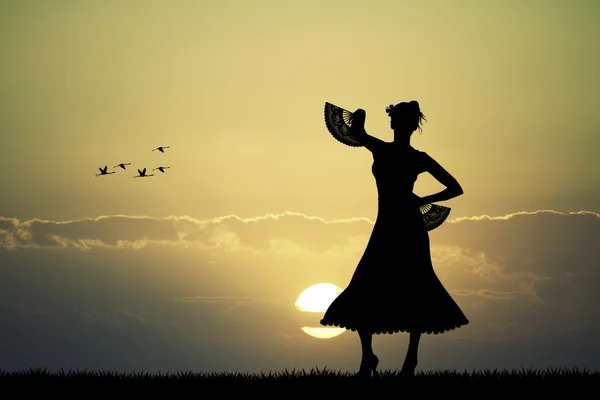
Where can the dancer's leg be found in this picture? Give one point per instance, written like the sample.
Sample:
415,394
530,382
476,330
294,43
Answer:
366,343
411,360
369,359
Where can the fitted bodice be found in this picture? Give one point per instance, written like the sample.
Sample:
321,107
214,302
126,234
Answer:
396,171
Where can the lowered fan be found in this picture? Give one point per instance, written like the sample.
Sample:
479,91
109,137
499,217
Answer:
338,122
434,215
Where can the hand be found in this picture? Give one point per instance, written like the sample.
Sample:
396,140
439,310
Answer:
359,116
358,122
421,201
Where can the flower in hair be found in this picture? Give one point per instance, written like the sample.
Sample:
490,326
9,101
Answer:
389,109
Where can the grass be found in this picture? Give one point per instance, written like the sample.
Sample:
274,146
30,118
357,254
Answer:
314,376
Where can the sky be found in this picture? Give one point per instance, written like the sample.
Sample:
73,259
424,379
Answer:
199,268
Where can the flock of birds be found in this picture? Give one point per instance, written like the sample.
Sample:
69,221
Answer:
142,172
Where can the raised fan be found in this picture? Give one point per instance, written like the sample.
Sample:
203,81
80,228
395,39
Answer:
338,122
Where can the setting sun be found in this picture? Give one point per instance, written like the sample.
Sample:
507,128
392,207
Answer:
323,333
317,298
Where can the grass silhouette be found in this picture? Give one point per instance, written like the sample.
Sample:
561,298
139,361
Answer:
315,375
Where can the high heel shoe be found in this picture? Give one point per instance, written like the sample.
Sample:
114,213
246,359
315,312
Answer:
368,367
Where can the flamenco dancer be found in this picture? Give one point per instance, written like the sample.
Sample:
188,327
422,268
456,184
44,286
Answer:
394,287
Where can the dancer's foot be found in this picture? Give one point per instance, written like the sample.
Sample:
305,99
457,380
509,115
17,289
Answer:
408,369
368,366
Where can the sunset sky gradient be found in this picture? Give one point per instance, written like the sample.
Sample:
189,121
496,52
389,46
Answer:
198,268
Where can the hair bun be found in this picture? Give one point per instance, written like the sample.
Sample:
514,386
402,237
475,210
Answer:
414,104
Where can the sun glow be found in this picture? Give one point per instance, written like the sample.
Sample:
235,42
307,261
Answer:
317,299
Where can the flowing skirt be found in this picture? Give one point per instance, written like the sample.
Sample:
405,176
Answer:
394,287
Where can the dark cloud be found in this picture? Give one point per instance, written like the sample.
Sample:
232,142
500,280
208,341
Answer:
218,294
544,241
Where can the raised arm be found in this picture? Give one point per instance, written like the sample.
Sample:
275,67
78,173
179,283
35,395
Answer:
358,131
453,188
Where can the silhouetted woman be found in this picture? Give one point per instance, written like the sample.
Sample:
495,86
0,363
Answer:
394,287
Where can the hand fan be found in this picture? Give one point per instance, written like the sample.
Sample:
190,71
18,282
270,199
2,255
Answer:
434,215
338,122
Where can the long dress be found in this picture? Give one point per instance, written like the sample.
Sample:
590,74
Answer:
394,287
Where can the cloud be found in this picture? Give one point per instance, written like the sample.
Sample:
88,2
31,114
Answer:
120,319
229,232
214,299
113,231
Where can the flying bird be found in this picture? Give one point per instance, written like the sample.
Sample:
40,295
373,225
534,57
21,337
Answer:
161,169
142,174
161,148
122,165
103,171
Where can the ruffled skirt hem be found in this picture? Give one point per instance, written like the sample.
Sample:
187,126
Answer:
389,331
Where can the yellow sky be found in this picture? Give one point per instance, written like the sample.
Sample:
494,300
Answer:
237,89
